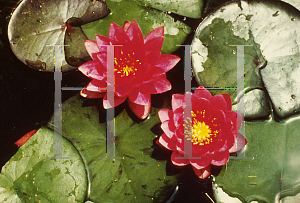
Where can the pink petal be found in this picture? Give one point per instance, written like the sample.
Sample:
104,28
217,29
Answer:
202,92
91,47
200,162
117,35
164,115
89,94
203,173
139,97
102,43
179,161
167,61
91,69
117,101
240,142
167,142
141,111
160,86
97,86
177,101
165,126
220,158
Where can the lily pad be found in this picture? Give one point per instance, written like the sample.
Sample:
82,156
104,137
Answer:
30,176
35,24
135,177
192,8
271,64
147,18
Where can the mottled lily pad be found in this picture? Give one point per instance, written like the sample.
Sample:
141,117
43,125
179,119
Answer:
36,24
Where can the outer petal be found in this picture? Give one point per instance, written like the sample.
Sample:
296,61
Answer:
141,111
153,44
177,160
123,91
167,61
91,69
117,35
101,42
91,47
166,127
117,101
177,101
220,158
167,142
202,92
126,25
156,34
97,86
164,115
89,94
160,86
135,35
219,102
139,97
240,142
200,162
203,173
228,101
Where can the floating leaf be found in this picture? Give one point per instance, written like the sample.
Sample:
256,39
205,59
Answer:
136,177
30,176
35,24
192,9
147,18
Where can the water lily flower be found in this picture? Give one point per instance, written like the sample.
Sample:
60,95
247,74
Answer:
212,131
139,67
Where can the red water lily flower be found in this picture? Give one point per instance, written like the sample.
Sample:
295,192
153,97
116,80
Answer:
139,67
212,131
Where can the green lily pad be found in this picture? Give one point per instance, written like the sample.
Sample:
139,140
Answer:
192,9
147,18
136,177
35,24
29,176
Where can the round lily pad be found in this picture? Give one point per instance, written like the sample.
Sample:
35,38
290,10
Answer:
36,24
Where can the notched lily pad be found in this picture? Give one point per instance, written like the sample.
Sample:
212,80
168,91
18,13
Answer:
35,24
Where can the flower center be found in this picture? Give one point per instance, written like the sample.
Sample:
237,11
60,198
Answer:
200,132
126,65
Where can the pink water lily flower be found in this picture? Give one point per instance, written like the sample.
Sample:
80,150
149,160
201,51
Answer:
139,67
212,131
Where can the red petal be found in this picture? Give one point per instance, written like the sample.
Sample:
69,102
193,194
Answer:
102,41
25,138
179,161
117,101
123,91
219,102
141,111
155,34
167,142
97,86
167,61
91,69
139,97
240,142
220,158
164,115
160,86
228,101
117,35
91,47
90,94
126,25
203,173
135,35
202,92
200,162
